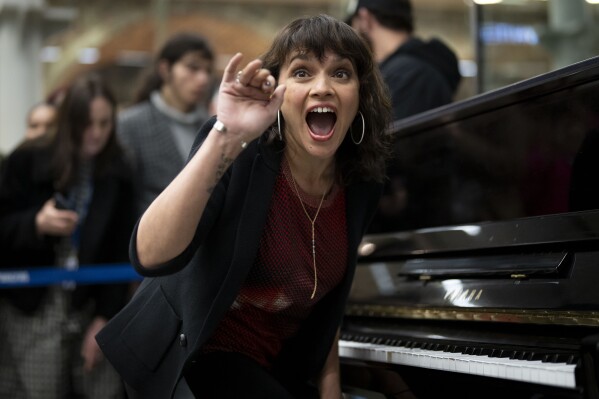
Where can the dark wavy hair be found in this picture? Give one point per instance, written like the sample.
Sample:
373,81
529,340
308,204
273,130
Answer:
175,48
72,119
316,35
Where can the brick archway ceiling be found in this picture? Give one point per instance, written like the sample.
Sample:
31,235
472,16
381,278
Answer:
226,37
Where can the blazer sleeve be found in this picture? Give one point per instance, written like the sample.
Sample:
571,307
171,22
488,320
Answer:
20,200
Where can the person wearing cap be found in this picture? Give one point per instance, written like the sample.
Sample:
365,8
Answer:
421,75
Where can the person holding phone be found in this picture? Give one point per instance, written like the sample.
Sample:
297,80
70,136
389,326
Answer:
251,250
65,200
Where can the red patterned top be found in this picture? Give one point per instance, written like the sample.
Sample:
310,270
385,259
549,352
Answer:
275,298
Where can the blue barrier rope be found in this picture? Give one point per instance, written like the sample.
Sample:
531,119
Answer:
93,274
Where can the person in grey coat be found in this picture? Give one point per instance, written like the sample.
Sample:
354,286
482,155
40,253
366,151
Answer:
169,109
251,250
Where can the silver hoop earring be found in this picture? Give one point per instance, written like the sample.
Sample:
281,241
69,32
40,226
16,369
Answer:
279,125
351,132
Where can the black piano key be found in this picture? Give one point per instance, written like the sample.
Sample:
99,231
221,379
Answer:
571,359
551,358
507,353
486,351
517,354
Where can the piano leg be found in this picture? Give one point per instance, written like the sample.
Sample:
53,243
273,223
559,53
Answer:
590,366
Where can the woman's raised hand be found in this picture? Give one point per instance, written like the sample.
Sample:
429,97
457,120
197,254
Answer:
248,100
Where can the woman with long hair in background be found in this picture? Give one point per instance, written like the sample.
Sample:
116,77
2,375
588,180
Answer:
65,200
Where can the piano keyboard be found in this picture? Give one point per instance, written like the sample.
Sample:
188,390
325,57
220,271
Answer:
532,371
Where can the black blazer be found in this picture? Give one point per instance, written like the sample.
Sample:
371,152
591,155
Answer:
26,184
156,336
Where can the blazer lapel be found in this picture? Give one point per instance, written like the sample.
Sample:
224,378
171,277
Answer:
265,169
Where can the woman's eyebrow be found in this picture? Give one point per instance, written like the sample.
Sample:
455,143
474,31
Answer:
309,56
301,57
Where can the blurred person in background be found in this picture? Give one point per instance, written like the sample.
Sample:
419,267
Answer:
254,243
170,107
65,200
420,75
40,120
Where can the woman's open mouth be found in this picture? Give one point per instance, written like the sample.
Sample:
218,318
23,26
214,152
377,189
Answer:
321,123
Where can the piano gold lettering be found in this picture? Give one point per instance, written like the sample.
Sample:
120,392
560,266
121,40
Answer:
480,292
464,294
458,294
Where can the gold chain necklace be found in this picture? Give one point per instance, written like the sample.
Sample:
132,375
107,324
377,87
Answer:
312,221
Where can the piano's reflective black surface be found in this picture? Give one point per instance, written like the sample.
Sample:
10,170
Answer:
480,276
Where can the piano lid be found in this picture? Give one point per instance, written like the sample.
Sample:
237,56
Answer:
559,231
513,266
514,167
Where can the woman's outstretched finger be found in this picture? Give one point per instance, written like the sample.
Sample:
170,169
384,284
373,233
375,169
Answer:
230,72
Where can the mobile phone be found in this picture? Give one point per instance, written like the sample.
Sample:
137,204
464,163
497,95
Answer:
61,201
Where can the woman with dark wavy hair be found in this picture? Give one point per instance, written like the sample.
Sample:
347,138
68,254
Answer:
65,201
253,245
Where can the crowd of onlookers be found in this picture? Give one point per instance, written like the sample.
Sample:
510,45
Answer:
70,194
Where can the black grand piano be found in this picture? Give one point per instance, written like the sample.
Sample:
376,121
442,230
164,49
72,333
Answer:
480,277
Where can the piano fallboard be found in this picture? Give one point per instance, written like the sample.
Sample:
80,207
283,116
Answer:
558,289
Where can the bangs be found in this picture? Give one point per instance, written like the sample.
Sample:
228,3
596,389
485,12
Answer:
305,37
